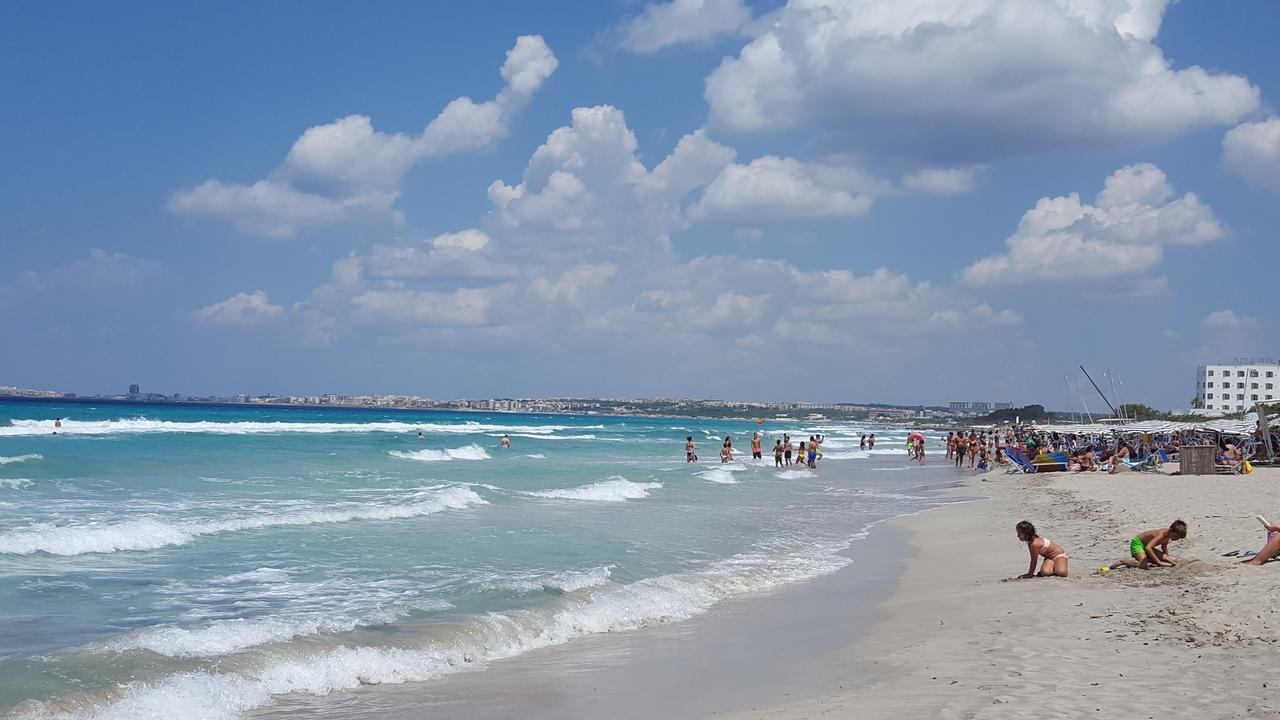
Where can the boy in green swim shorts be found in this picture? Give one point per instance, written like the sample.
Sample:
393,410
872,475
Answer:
1151,547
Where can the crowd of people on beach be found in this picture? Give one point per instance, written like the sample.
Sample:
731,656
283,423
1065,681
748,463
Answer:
1052,450
1029,446
806,453
1080,453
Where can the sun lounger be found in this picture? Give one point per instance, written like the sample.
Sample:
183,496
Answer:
1149,462
1016,458
1222,468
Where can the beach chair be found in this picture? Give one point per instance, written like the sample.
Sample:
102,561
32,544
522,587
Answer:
1147,463
1018,461
1222,468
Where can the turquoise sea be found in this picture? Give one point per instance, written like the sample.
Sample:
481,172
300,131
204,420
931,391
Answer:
201,562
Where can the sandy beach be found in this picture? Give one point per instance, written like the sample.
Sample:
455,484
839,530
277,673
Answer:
941,628
961,639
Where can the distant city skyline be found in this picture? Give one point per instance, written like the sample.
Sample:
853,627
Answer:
639,199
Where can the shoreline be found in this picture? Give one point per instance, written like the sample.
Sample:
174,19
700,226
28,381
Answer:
748,652
959,639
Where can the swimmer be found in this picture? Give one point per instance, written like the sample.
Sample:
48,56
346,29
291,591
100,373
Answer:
506,441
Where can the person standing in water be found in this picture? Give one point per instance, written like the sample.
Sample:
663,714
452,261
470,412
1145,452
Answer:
755,446
690,450
862,444
506,441
777,454
786,449
871,441
57,425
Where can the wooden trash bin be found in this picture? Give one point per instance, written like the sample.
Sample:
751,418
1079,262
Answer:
1197,459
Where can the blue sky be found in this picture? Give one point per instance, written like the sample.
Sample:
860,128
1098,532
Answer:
865,200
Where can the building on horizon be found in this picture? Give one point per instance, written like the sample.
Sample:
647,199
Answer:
1236,386
134,389
978,406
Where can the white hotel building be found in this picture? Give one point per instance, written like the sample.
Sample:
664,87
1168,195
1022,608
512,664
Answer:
1237,386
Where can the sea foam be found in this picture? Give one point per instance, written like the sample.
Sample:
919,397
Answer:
233,635
467,452
566,582
718,475
19,458
153,533
22,427
662,599
615,489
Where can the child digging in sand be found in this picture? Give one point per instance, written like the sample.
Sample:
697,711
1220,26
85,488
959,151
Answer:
1152,546
1055,558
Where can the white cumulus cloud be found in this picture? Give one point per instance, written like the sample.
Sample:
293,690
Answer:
275,210
1252,151
346,169
471,240
586,182
1122,233
969,79
1227,320
241,310
677,22
772,186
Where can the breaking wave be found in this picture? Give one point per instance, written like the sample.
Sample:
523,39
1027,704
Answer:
467,452
615,489
242,687
19,427
154,533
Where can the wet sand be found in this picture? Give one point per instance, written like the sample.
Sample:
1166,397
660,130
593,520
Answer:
748,653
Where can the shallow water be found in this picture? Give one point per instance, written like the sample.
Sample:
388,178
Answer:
201,562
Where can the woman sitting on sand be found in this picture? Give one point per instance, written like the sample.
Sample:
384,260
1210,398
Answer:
1232,456
1055,558
1268,551
1084,461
